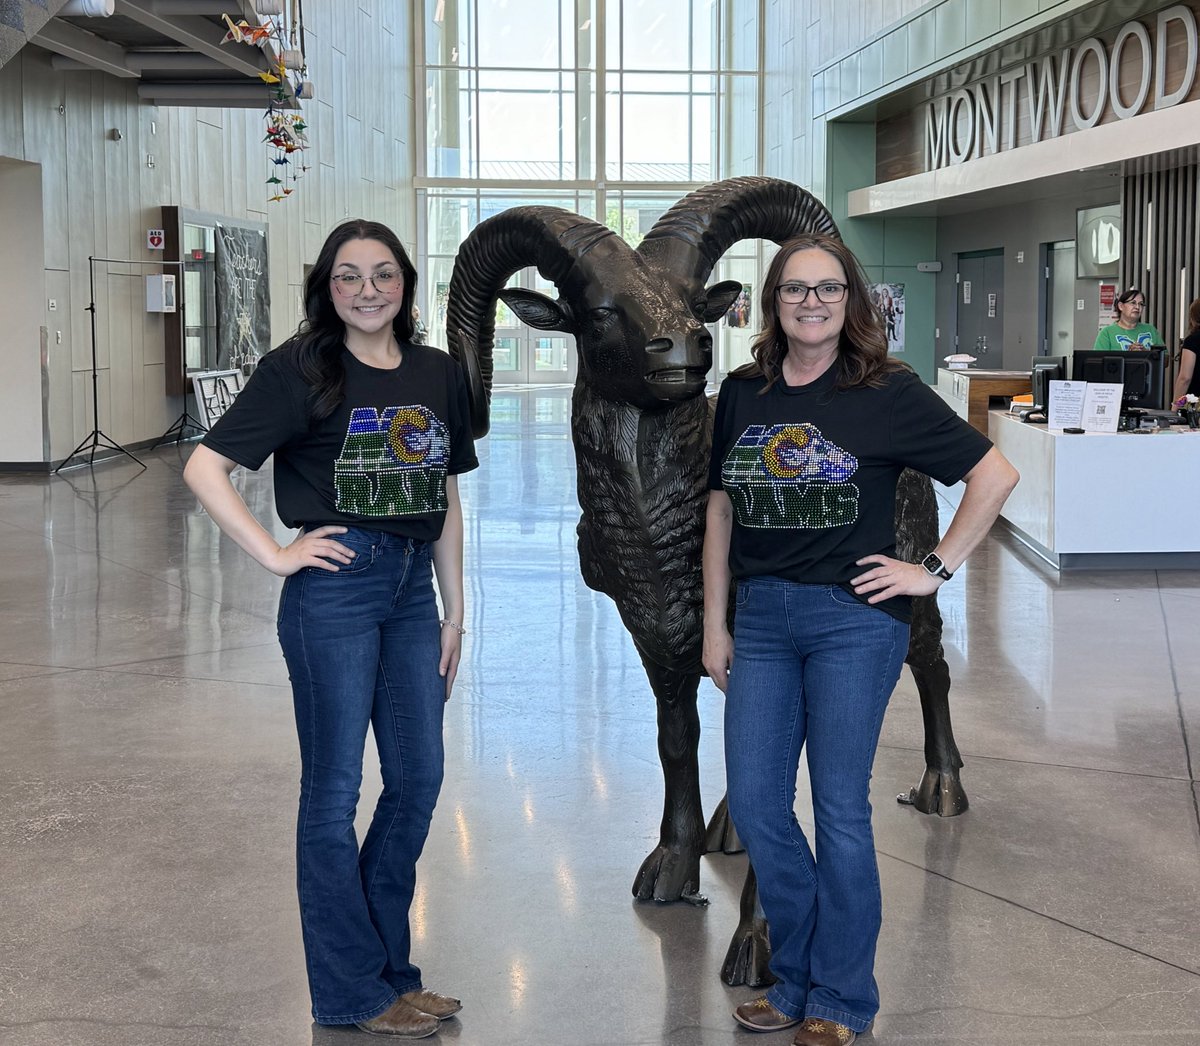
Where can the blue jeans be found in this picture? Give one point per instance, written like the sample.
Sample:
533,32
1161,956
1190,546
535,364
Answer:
362,646
813,669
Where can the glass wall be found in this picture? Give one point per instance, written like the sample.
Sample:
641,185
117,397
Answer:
610,108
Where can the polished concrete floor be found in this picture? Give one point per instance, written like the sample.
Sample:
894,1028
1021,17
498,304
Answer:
148,772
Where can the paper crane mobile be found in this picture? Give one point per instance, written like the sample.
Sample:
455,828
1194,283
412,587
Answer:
284,131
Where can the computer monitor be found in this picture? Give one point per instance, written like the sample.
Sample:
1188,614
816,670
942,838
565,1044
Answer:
1142,373
1046,369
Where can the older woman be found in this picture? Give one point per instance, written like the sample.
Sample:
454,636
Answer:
809,441
1128,332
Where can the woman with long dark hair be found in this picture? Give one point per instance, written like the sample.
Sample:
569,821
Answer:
368,433
1187,379
809,441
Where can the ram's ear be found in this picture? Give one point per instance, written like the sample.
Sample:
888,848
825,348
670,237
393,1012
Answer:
546,314
718,298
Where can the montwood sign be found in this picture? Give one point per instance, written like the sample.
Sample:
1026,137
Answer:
1081,83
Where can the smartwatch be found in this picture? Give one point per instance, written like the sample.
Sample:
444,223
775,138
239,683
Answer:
933,564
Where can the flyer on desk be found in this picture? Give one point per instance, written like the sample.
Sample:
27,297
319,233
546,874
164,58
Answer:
1101,407
1066,404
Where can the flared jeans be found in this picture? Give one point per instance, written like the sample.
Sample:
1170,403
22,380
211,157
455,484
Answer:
362,647
812,670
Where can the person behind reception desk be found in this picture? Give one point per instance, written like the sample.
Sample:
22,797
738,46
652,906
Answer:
1128,332
1188,378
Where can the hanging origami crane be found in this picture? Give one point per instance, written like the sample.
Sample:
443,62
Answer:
244,33
284,131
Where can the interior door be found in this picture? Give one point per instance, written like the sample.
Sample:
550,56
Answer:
979,329
524,355
1059,336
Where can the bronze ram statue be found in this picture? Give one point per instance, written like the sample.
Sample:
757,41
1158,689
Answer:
641,429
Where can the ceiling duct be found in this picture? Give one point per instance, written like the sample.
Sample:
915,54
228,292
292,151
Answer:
88,8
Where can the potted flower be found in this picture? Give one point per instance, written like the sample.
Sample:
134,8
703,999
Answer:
1188,406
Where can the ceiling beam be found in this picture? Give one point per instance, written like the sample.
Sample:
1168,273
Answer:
83,47
212,95
174,61
196,34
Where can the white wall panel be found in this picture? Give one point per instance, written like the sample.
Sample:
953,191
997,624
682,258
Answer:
100,197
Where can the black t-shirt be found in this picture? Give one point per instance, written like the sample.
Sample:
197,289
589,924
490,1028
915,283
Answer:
812,471
380,460
1192,341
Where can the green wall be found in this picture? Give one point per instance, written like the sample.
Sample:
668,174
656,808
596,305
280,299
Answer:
889,248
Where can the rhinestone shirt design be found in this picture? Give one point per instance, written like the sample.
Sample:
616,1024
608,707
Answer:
790,476
393,463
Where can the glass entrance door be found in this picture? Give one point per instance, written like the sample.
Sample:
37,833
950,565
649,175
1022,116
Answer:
524,355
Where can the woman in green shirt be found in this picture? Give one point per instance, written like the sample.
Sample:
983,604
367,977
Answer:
1128,332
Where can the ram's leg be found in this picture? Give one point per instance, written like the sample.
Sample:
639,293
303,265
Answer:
748,959
940,791
672,870
721,836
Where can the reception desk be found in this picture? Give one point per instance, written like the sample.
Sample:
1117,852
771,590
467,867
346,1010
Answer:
1119,500
971,392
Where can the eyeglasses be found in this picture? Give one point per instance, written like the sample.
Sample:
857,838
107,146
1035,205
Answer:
830,293
350,284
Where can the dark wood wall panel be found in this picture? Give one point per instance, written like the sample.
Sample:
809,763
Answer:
900,144
1161,245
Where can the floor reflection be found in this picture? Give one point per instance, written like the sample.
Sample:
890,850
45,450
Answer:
148,773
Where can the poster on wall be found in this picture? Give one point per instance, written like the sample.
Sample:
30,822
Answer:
889,300
739,312
215,391
243,297
1108,304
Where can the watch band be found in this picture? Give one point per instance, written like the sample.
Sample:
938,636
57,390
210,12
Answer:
933,565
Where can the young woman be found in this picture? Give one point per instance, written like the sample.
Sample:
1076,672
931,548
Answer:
1128,332
808,443
368,433
1187,378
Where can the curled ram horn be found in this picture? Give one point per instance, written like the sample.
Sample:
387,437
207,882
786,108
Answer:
547,237
691,237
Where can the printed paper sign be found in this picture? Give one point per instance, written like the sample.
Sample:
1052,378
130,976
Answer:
1101,406
1066,404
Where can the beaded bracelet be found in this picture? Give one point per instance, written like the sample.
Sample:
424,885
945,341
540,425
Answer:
446,623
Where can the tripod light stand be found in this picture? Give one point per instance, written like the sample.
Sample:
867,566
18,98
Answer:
178,428
95,439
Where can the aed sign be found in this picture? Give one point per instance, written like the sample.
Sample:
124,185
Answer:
155,239
1139,69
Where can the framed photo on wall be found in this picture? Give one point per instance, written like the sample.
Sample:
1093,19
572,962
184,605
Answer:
1098,242
215,391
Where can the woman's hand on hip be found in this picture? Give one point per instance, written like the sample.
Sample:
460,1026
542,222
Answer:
717,655
889,577
313,548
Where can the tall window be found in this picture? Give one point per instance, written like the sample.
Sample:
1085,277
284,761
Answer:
611,108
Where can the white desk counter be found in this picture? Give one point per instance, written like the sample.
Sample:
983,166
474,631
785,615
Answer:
1119,500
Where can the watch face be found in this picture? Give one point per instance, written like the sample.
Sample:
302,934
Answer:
934,565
